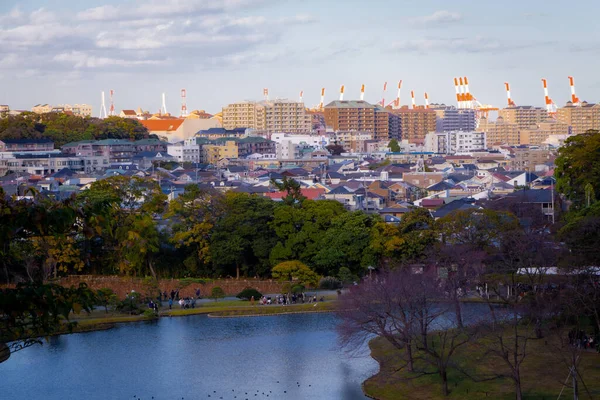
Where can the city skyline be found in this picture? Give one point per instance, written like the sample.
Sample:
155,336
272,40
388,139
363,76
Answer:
227,51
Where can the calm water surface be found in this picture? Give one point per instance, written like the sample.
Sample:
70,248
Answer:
192,358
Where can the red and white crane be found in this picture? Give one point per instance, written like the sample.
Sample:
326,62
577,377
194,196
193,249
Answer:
362,92
510,102
111,109
550,106
412,96
322,103
342,93
184,112
574,98
383,94
266,94
301,96
426,100
467,101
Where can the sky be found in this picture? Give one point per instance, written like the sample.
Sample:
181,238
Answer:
223,51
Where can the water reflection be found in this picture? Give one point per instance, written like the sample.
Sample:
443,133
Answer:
278,357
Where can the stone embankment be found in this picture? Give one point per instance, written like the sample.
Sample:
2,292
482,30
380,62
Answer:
123,285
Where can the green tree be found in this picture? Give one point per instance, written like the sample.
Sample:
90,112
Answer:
242,238
292,189
33,311
295,273
394,146
106,297
217,293
577,166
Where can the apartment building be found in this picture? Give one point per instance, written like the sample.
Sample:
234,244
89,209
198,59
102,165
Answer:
354,142
360,116
525,159
580,118
499,132
47,163
212,153
451,119
185,151
416,123
268,116
455,142
81,110
540,134
524,116
116,150
178,129
23,145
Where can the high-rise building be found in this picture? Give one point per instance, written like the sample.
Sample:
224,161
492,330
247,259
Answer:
537,135
499,132
580,118
416,123
451,119
360,116
268,116
524,116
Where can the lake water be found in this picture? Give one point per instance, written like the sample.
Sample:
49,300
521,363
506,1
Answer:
277,357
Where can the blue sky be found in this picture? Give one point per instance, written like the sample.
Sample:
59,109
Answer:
223,51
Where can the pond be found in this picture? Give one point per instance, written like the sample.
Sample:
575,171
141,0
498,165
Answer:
276,357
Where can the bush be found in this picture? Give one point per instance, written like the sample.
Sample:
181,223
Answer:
248,293
106,297
330,283
130,304
217,293
297,289
149,314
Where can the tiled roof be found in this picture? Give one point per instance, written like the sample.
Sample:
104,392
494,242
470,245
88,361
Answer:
311,194
129,112
162,125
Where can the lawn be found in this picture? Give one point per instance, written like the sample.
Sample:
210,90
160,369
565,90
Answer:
543,375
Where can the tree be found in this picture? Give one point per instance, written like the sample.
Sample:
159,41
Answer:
217,293
577,169
292,189
242,237
397,306
106,297
33,311
394,146
477,227
335,149
295,272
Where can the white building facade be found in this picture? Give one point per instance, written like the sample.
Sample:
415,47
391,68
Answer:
455,142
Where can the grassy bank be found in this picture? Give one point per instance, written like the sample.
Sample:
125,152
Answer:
101,320
543,374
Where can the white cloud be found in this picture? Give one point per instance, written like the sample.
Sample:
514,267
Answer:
82,60
437,18
462,45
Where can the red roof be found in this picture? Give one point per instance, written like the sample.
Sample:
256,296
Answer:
432,202
310,194
129,112
162,125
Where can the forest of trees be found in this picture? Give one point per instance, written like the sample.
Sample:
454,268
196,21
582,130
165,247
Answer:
63,128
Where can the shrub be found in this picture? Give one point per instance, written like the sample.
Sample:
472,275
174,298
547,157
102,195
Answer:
149,314
217,293
247,294
330,283
296,289
106,297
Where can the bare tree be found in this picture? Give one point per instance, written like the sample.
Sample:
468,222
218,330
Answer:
404,308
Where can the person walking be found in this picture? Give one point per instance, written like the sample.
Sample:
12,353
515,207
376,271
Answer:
170,303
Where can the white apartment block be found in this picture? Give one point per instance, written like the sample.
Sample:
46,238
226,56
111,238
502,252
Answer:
455,142
316,141
185,151
47,163
82,110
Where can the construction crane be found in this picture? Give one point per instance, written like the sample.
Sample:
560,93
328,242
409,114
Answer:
574,98
550,106
383,95
395,104
322,103
266,94
511,103
342,93
426,100
362,92
412,96
301,96
467,101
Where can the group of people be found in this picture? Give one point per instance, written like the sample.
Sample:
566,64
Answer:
582,340
285,299
174,295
